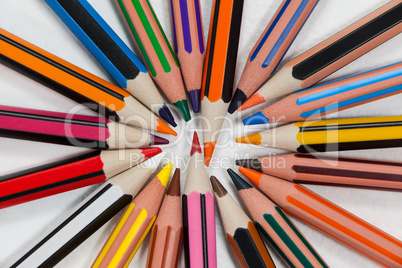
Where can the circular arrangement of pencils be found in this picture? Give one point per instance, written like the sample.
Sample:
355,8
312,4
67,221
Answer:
185,153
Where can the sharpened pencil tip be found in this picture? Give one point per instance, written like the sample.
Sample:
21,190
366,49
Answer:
150,152
156,140
250,139
163,128
182,106
256,119
174,187
164,174
251,102
250,163
238,99
238,181
218,188
166,115
208,152
195,97
195,147
252,175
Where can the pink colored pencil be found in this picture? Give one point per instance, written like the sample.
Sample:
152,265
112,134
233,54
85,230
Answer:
331,220
189,45
279,230
167,233
198,213
327,170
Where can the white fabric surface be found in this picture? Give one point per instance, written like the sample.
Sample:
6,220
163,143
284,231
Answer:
34,21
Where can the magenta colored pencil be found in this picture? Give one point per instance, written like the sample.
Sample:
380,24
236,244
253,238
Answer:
198,213
71,129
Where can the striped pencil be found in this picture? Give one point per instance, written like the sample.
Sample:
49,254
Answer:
91,214
76,84
167,233
332,97
159,57
70,129
114,55
277,228
134,224
332,54
332,135
241,233
333,220
198,213
66,175
327,170
271,47
188,37
219,69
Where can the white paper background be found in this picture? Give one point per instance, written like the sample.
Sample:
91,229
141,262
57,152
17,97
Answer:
34,21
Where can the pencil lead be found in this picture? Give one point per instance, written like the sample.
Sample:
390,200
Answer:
256,119
174,187
182,106
250,139
164,174
250,163
156,140
218,188
196,147
251,102
163,128
195,97
208,151
238,99
150,152
238,181
166,115
252,175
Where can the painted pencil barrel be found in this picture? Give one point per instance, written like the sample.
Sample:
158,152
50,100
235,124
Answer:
159,57
188,38
87,217
199,229
271,47
348,44
337,95
336,222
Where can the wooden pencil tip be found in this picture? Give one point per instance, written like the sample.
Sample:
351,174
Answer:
163,128
250,163
196,147
209,148
251,102
218,188
252,175
238,181
174,187
250,139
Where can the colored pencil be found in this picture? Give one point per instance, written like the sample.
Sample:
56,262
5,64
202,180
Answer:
219,69
134,224
71,129
69,174
333,97
188,38
271,47
198,213
327,170
332,54
332,135
159,57
76,84
85,219
167,233
277,228
332,220
114,55
241,233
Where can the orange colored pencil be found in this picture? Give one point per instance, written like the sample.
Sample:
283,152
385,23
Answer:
159,57
332,54
167,233
330,219
219,69
76,83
